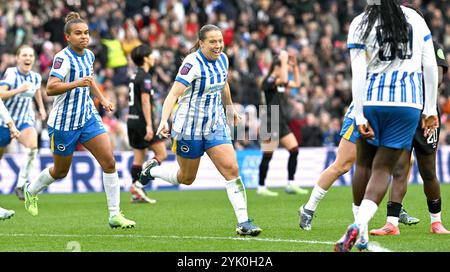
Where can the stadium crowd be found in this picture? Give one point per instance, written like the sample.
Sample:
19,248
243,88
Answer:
254,31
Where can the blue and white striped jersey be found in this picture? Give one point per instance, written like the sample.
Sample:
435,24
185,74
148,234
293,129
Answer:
393,80
20,106
74,107
350,111
200,109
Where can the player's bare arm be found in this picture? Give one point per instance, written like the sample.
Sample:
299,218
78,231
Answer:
228,102
108,105
176,91
5,94
147,111
56,86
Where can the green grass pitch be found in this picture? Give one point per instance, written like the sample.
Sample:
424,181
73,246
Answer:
203,221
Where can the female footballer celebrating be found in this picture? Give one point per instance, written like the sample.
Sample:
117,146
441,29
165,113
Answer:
74,119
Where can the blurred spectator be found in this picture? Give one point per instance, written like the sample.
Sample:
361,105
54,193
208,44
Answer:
55,27
254,32
116,58
46,58
311,132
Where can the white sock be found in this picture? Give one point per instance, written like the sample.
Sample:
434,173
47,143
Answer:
25,168
364,232
165,173
435,217
355,210
316,195
289,182
238,198
44,180
112,190
366,211
261,187
393,220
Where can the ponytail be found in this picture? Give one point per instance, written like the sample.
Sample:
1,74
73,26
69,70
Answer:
195,47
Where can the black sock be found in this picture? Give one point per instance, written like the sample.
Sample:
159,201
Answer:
393,209
292,163
434,206
135,172
264,166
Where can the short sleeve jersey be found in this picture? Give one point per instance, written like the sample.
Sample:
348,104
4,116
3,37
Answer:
73,108
392,79
20,106
200,110
141,83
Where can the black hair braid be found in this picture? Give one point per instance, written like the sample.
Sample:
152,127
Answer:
392,21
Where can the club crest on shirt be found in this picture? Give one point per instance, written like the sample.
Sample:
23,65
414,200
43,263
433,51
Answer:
58,63
147,84
185,148
185,69
61,147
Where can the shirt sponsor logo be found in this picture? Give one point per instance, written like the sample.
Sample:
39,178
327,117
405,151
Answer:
185,69
58,63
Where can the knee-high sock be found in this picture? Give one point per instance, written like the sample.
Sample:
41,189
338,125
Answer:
366,211
263,167
355,210
292,163
316,195
135,171
44,180
238,198
112,190
434,207
364,229
26,166
165,173
393,212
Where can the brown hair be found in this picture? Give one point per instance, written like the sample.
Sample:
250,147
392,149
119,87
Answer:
23,46
202,35
72,18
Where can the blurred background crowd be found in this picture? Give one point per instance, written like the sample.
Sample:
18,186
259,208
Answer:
253,30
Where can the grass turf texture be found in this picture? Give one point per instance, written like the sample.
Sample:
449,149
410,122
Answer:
204,221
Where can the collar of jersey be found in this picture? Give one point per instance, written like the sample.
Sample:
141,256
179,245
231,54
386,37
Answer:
20,73
203,56
75,53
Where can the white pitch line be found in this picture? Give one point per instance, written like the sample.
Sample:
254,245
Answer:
374,248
